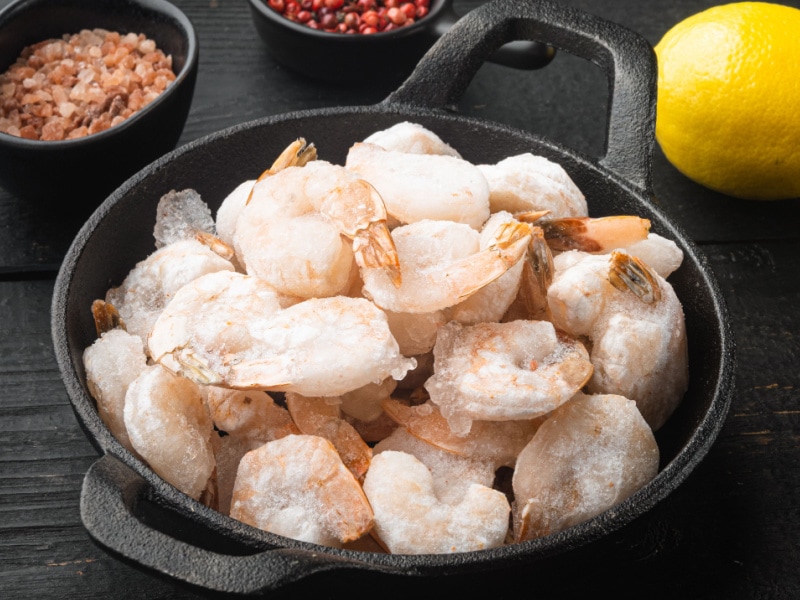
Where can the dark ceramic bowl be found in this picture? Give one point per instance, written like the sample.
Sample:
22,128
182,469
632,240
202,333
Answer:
137,516
337,57
83,171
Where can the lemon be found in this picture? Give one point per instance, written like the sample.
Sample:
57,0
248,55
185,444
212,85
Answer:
728,111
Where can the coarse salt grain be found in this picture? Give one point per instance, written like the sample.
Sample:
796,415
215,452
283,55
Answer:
81,84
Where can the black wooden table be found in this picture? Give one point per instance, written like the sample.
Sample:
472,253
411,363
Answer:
732,530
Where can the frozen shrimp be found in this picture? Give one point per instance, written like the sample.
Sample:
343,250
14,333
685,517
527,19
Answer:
423,186
150,285
491,302
366,403
452,473
504,371
538,269
298,487
605,234
589,455
296,154
169,426
248,420
594,235
657,252
303,227
494,442
635,323
412,138
233,335
112,362
525,183
211,315
415,332
442,264
228,212
322,417
411,519
253,414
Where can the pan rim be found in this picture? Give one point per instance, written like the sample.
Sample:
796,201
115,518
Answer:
669,477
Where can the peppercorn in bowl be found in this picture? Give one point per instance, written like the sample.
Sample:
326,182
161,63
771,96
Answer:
361,41
90,92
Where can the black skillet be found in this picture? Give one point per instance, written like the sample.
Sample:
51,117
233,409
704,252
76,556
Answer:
135,515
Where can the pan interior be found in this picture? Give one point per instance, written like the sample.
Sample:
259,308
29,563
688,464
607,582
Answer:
119,234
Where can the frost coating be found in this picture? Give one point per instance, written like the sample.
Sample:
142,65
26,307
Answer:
590,454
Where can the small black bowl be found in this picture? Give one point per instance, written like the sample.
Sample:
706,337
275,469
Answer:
388,55
81,172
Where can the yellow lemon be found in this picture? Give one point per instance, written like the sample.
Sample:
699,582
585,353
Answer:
728,111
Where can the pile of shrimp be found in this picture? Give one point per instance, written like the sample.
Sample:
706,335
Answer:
406,353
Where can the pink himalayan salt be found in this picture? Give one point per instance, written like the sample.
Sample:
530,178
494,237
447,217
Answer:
81,84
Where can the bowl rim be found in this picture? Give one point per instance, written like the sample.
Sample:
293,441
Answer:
191,62
437,9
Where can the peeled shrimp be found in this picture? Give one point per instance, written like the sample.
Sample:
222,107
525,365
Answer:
228,212
605,234
442,264
291,231
412,138
594,235
411,519
212,315
169,426
495,442
112,362
452,474
298,487
504,371
635,323
366,403
248,420
659,253
415,332
491,302
151,284
423,186
589,455
322,417
296,154
253,415
229,330
526,182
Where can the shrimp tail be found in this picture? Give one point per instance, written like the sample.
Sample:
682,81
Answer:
217,246
192,367
531,216
106,317
629,273
374,248
594,235
297,154
262,374
511,242
537,275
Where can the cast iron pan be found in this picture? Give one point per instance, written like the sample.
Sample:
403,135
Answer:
135,515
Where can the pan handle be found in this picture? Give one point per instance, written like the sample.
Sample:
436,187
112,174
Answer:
523,55
443,74
109,496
